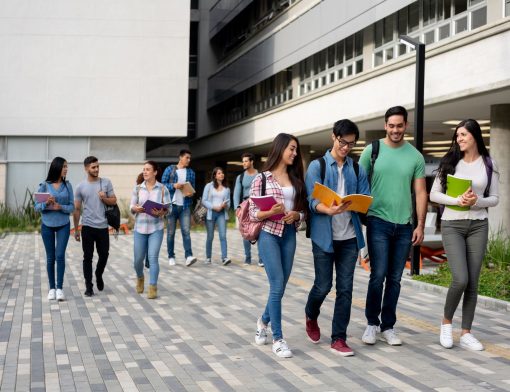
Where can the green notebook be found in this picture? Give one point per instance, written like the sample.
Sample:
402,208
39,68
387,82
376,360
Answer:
455,187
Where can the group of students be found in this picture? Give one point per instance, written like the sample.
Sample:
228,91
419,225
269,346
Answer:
388,169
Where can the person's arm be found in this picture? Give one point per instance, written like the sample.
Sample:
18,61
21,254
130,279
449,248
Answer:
76,214
420,190
167,181
492,199
205,197
108,197
438,196
226,205
134,205
364,159
40,207
68,208
238,184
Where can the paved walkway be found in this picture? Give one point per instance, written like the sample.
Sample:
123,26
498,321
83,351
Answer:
198,335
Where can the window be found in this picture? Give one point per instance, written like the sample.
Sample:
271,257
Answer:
413,17
349,47
479,18
340,52
358,43
461,25
331,56
444,32
429,11
429,37
507,7
460,6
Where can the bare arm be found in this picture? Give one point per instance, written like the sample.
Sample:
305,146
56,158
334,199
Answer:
420,190
76,219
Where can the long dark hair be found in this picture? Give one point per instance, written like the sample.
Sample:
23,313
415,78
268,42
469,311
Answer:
454,155
216,184
55,170
156,168
295,171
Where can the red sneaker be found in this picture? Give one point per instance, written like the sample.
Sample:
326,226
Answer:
340,347
313,331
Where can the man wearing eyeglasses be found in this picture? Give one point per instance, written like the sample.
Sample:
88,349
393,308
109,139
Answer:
390,231
336,235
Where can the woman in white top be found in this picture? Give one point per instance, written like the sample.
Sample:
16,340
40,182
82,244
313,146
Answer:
216,199
465,230
149,226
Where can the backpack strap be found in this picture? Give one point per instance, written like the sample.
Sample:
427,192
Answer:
489,168
322,162
355,166
373,157
263,192
241,178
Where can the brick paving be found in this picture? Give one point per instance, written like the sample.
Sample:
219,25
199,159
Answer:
198,335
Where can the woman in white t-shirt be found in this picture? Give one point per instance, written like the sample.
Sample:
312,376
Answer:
216,199
465,224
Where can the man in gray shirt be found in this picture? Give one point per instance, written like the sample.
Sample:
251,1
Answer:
242,192
93,193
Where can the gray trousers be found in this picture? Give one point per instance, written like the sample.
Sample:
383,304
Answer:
465,242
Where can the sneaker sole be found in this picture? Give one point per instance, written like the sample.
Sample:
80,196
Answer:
227,262
283,356
314,341
351,354
391,344
465,346
445,346
369,343
191,263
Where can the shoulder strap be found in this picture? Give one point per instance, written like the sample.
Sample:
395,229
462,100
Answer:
263,193
489,169
322,162
241,177
355,165
162,194
138,194
373,157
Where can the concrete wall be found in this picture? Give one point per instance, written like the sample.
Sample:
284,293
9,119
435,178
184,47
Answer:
3,170
94,68
123,177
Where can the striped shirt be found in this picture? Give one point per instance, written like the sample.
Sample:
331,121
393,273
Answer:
274,189
145,223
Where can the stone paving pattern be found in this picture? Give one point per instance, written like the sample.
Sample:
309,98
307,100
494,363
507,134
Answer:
199,334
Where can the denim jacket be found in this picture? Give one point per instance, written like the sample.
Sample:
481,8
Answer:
63,196
321,224
206,200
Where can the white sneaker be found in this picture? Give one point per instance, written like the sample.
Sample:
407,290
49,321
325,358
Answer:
226,261
390,336
60,295
261,335
470,342
171,261
190,260
446,336
369,336
51,295
281,349
260,264
207,261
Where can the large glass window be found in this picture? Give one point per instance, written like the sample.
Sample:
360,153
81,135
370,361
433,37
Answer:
479,17
507,7
459,6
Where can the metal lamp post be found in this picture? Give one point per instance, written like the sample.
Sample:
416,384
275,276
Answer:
418,123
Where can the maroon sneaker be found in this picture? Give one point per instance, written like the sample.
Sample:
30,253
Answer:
313,331
340,347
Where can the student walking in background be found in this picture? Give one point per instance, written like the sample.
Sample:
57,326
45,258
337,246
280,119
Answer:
465,229
149,226
55,226
283,176
174,178
242,192
336,235
216,198
390,231
93,194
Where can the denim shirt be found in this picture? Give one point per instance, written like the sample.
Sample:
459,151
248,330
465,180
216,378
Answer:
206,200
64,197
321,230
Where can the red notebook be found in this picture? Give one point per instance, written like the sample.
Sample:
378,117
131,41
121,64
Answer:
265,203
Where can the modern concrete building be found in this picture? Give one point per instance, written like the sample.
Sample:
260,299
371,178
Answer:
297,66
103,78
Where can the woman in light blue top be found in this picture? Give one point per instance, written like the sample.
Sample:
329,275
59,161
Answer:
55,224
149,226
216,199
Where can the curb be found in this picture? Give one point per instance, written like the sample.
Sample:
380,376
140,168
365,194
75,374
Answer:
485,302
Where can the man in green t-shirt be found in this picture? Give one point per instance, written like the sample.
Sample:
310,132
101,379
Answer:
389,223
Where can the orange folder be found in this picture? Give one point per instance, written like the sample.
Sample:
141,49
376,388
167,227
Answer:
359,203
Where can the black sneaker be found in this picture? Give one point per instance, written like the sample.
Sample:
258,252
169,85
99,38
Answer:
99,282
89,293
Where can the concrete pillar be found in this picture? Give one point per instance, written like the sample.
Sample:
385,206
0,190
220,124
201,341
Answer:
494,11
499,216
368,47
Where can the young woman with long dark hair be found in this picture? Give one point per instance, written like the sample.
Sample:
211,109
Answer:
55,226
465,231
283,173
149,228
216,198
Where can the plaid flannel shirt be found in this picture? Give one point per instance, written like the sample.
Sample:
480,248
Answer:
274,189
170,178
145,223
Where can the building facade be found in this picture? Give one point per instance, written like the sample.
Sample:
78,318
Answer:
297,66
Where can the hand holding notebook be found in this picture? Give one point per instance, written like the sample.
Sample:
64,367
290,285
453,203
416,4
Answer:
265,203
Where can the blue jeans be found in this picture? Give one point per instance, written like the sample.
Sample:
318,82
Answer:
184,217
278,255
343,259
219,218
55,242
148,245
388,246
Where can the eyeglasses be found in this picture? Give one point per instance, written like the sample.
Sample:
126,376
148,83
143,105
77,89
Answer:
344,143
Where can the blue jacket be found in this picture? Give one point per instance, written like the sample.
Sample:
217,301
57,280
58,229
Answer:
321,230
63,196
207,200
170,178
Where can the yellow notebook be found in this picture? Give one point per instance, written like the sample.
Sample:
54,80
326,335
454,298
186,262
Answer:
359,203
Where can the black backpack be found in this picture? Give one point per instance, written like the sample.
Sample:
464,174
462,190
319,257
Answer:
322,163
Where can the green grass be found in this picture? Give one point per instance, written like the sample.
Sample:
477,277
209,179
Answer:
495,275
23,218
